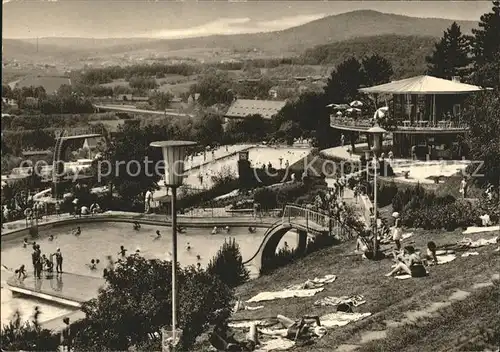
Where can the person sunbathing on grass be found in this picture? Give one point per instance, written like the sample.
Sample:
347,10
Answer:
409,263
223,339
431,253
303,329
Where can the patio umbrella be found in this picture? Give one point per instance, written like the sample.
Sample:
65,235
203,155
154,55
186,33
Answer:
380,113
339,113
356,104
353,110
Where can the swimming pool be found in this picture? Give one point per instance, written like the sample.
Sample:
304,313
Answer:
105,238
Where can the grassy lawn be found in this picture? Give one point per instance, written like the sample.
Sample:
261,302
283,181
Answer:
387,298
460,326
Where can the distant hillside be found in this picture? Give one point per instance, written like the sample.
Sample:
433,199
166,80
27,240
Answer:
406,53
356,24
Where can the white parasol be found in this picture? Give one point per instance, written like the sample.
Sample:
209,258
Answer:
380,113
356,104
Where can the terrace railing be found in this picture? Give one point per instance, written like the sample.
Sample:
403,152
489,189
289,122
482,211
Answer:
363,123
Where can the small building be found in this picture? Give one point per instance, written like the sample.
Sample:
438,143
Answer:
425,115
241,108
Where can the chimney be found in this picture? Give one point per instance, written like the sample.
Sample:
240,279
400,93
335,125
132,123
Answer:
455,79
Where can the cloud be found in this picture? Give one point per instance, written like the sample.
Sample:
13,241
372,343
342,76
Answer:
288,22
220,26
235,26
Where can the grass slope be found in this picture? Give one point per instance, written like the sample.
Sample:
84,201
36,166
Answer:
388,299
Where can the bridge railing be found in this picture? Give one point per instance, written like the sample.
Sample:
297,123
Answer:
297,214
315,221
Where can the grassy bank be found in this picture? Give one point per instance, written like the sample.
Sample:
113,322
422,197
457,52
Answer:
388,299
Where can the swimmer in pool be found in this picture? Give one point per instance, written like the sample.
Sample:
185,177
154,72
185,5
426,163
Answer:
227,229
137,226
198,257
158,235
92,265
215,230
51,238
123,251
251,229
77,231
180,229
188,247
25,243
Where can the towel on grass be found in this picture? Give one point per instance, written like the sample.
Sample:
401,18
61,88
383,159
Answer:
468,254
269,296
406,235
248,323
403,277
314,283
341,319
276,344
477,229
445,251
355,300
443,259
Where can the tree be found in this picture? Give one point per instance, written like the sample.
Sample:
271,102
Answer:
126,156
451,54
208,129
214,88
486,48
160,100
252,128
486,44
136,305
344,82
483,140
376,70
228,266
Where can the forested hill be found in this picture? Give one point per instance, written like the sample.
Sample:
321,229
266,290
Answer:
406,53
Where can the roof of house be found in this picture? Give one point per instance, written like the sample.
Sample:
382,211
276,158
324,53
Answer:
50,83
264,108
422,85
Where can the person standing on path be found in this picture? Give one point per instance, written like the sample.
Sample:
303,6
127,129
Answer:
342,139
397,231
463,187
59,261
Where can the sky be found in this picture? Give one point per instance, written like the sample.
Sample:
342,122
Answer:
189,18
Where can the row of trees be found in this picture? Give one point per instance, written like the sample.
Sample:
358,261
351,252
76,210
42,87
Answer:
96,76
477,59
457,54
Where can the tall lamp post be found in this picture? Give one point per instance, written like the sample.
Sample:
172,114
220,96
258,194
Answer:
377,133
174,153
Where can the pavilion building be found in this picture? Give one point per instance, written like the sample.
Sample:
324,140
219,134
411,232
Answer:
425,115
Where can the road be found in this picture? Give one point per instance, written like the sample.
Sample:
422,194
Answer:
139,111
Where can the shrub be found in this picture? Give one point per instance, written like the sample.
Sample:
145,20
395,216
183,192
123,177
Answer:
386,193
28,336
265,197
227,264
449,216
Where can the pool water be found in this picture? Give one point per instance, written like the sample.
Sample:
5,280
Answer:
98,240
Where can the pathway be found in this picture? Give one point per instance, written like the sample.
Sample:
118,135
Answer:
67,289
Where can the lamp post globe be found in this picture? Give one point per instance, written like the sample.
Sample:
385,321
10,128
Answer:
174,153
